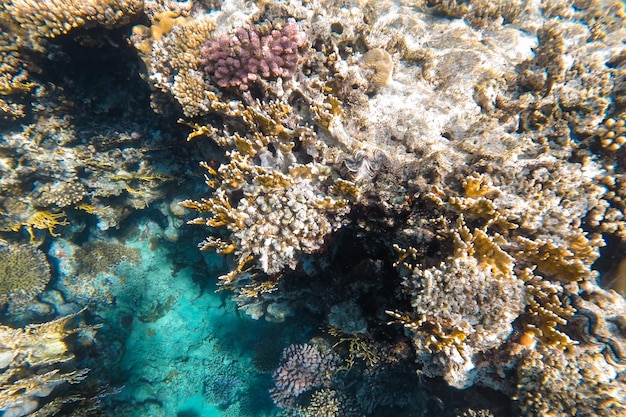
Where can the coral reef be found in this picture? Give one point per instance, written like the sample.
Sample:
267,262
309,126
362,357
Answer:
36,21
24,273
439,183
27,26
302,368
48,169
577,382
464,306
477,160
36,363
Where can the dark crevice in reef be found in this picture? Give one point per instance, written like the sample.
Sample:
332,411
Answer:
356,267
99,74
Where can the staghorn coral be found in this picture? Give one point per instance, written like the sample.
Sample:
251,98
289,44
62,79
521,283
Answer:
238,60
35,360
24,273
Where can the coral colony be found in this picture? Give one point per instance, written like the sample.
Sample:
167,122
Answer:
239,60
410,207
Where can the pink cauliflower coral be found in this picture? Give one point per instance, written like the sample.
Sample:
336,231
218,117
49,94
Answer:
238,60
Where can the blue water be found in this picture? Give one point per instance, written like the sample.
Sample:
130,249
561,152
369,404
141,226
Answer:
176,347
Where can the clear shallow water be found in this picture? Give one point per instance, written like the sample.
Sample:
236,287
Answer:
176,347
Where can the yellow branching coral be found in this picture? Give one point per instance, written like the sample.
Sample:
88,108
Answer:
14,78
222,213
34,361
358,348
546,310
42,220
464,306
561,262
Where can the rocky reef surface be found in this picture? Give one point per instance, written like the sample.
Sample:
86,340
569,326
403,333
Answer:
426,197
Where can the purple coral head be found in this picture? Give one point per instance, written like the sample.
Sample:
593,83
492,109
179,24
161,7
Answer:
302,368
238,60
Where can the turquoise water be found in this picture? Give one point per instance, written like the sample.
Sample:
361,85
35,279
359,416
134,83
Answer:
176,347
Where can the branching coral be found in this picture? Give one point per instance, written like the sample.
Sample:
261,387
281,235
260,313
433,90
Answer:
464,306
46,171
51,18
576,382
35,361
477,159
278,216
173,62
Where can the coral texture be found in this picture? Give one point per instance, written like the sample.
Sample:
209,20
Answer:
494,170
24,273
37,20
441,182
35,360
238,60
465,306
302,368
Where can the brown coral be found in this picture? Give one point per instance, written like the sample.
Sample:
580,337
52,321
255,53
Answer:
576,382
381,63
37,20
24,273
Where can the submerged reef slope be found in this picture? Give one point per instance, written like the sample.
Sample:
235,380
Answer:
83,141
438,186
478,144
